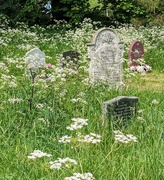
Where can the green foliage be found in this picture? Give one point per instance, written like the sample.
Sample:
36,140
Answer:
70,10
151,5
93,3
122,10
33,11
140,12
10,7
74,11
155,59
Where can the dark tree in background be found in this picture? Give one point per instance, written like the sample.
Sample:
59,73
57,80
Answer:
74,11
34,12
70,10
10,7
27,11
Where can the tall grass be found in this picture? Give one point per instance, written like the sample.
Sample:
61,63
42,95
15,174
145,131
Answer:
65,95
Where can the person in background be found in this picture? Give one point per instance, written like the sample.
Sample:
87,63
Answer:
48,7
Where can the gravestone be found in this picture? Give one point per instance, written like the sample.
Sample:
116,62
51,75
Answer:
105,53
69,59
121,107
136,51
34,59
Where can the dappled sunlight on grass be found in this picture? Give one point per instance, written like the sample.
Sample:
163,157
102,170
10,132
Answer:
151,81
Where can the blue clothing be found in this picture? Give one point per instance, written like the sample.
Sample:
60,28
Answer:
48,6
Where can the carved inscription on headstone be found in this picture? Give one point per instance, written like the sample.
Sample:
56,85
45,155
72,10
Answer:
136,51
34,59
121,107
70,59
105,53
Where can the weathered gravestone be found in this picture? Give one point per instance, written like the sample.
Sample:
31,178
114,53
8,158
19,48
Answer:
34,59
105,53
136,51
121,107
70,59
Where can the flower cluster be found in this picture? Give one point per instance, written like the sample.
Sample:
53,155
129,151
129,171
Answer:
39,154
120,137
78,176
9,81
139,67
65,139
78,123
78,100
59,163
89,138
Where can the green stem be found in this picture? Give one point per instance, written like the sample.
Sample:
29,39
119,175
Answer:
32,89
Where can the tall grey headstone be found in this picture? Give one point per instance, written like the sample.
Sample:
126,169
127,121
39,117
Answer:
121,107
105,53
34,59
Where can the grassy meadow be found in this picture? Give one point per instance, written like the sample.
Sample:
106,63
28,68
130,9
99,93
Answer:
53,127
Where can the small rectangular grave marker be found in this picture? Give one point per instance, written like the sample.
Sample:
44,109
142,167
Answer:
121,107
70,59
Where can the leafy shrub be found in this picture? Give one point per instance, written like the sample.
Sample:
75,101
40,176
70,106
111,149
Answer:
123,10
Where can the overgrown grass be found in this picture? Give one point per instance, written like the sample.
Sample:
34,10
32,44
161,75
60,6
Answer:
66,95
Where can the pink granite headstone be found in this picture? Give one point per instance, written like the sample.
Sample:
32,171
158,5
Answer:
136,51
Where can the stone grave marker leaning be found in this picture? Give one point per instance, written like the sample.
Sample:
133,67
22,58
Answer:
136,51
105,53
34,59
120,108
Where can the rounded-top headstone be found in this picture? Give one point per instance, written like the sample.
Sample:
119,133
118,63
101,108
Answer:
105,53
34,59
136,51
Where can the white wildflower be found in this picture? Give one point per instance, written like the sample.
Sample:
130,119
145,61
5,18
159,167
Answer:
40,105
131,137
3,67
59,163
120,137
78,100
90,138
140,118
41,119
74,100
78,123
39,154
155,102
140,111
65,139
15,100
12,84
19,66
78,176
